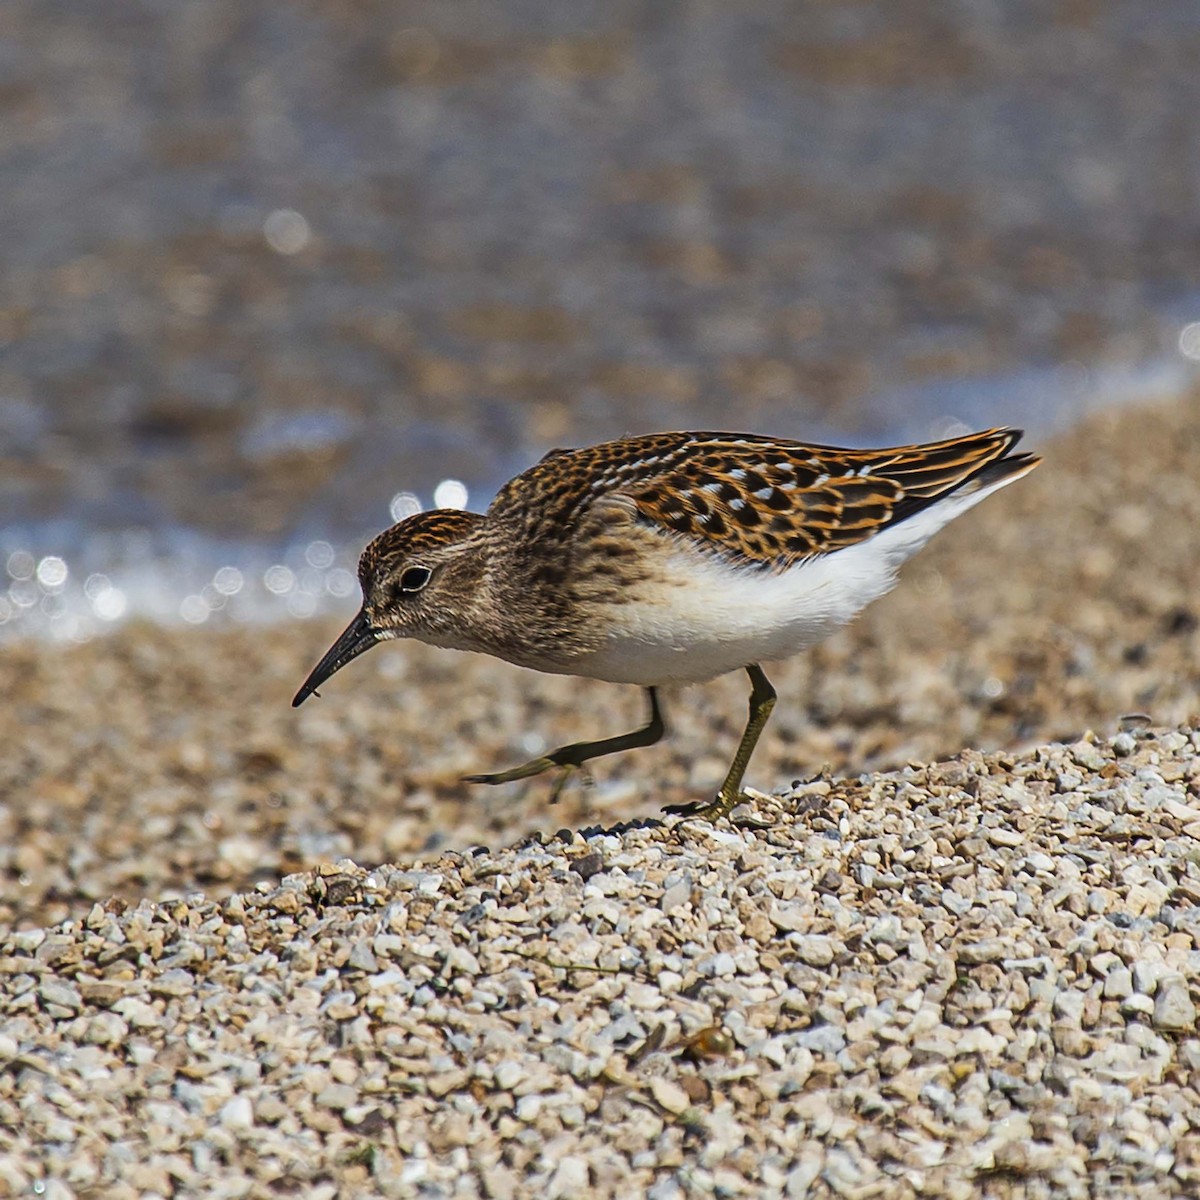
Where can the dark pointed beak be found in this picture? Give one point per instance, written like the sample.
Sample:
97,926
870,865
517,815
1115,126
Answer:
357,637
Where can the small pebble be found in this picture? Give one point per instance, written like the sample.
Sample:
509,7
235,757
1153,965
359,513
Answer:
816,950
1173,1007
669,1095
237,1113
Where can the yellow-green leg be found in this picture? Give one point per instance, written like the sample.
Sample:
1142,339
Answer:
570,759
762,701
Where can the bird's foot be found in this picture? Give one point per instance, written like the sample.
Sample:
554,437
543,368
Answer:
720,806
535,766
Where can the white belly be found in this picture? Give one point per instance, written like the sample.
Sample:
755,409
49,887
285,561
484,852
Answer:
704,617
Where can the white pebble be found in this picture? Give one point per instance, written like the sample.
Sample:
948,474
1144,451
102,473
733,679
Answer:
237,1113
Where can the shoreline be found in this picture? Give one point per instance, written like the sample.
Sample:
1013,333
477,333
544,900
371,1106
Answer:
213,575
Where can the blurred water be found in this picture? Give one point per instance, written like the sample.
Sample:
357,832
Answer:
268,268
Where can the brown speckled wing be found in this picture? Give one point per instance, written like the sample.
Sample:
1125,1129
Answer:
755,499
555,492
773,502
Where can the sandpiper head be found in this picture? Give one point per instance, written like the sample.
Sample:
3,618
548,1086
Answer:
415,578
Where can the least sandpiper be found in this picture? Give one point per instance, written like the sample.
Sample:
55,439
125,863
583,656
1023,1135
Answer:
669,558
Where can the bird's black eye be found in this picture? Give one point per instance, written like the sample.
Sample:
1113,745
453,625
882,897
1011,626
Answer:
414,579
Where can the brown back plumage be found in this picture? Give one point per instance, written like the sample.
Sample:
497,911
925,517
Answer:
760,500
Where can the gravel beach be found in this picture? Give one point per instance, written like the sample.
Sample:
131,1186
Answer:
970,972
977,977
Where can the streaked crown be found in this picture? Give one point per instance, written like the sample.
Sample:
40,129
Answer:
415,575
